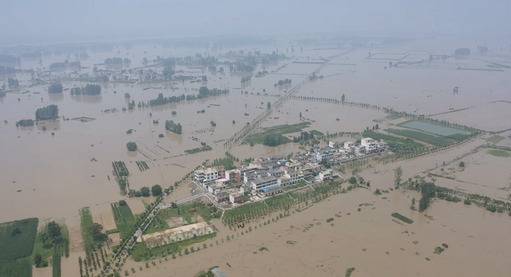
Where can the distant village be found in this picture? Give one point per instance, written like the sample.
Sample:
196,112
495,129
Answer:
269,176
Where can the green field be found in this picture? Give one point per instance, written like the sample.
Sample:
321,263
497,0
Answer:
86,227
398,145
273,136
435,140
19,268
17,239
46,246
434,128
431,132
124,218
499,153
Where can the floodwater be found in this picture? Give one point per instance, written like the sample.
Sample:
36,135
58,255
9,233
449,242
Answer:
53,173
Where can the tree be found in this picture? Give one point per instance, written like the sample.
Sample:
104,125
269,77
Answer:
13,83
132,146
343,98
55,88
156,190
97,233
168,69
203,92
462,164
39,261
352,180
398,172
428,192
46,113
171,126
274,140
268,105
92,89
145,191
54,232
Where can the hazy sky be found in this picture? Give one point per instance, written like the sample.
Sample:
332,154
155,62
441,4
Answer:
73,20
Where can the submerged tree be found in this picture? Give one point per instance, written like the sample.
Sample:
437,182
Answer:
132,146
156,190
55,88
398,172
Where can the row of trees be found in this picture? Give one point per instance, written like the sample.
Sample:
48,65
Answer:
117,61
204,92
46,113
89,89
155,191
284,82
171,126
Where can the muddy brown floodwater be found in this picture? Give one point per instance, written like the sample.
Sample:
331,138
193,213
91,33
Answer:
54,171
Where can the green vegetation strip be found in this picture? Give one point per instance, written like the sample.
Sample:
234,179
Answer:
439,141
283,202
20,267
273,136
17,238
430,191
124,218
402,218
57,254
86,227
499,153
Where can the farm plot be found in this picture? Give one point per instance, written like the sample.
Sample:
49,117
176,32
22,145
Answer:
17,240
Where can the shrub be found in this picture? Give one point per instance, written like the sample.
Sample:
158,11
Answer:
132,146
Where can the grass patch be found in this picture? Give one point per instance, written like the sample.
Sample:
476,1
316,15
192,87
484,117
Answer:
499,153
227,163
495,139
124,218
273,136
17,238
439,141
435,128
86,228
402,218
19,268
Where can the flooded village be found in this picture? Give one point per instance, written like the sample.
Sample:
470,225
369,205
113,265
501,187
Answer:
314,155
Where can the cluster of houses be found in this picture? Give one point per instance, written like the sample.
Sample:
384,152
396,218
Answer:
272,175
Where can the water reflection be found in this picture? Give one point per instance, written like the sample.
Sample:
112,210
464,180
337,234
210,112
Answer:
48,125
56,97
91,99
